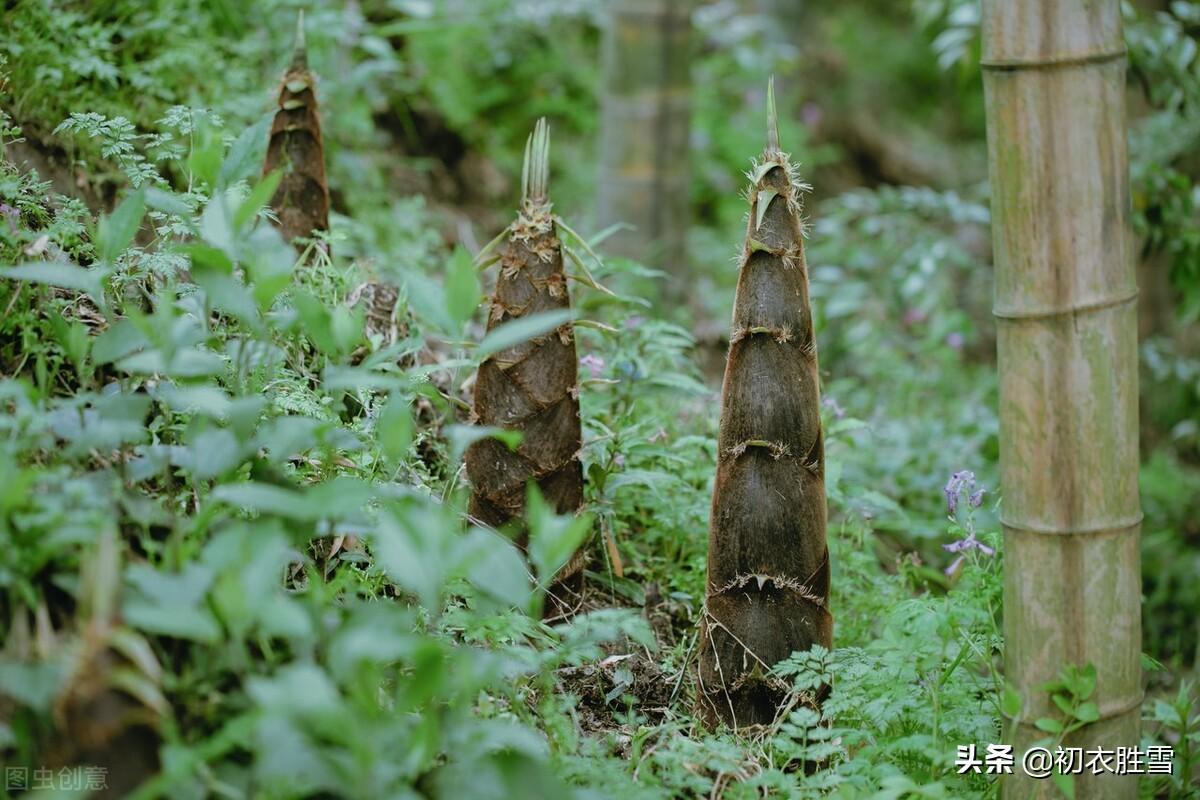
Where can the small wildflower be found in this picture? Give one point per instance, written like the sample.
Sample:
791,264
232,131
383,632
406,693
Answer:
619,460
959,481
833,406
634,322
967,543
11,215
956,341
594,364
977,497
913,316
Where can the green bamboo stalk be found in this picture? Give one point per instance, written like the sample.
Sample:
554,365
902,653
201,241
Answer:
645,130
532,387
296,148
1067,318
768,565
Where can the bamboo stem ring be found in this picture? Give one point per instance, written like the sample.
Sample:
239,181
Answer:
1118,526
1111,711
1065,60
1070,311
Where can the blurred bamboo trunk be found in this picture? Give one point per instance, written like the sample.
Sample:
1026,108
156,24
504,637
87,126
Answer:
1067,340
644,172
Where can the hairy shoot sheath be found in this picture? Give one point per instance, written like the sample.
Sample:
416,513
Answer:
296,149
768,564
531,387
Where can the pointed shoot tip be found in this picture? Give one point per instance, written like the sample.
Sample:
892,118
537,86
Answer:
535,176
772,118
300,51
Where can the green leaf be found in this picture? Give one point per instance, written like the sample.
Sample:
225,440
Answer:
32,685
259,196
216,225
428,301
171,603
1085,685
394,429
246,153
1087,712
1065,784
61,274
1010,702
117,230
553,539
521,330
462,287
204,162
1049,725
167,202
315,321
493,564
463,436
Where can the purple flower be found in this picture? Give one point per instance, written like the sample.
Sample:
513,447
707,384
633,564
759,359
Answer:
969,542
833,406
619,460
594,364
956,340
11,215
960,483
962,547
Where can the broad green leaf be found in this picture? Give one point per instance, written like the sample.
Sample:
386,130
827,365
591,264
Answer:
216,225
1087,712
61,274
117,230
1049,725
167,202
493,564
171,603
552,538
394,428
462,287
32,685
204,162
118,341
246,154
1010,703
1065,784
259,196
463,436
521,330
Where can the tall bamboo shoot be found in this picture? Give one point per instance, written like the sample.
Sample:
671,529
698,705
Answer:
768,564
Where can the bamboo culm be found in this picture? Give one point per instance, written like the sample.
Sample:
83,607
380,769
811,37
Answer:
768,564
1054,79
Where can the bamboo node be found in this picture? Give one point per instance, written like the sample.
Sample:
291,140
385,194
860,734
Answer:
1069,311
1117,526
780,335
777,450
1054,62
